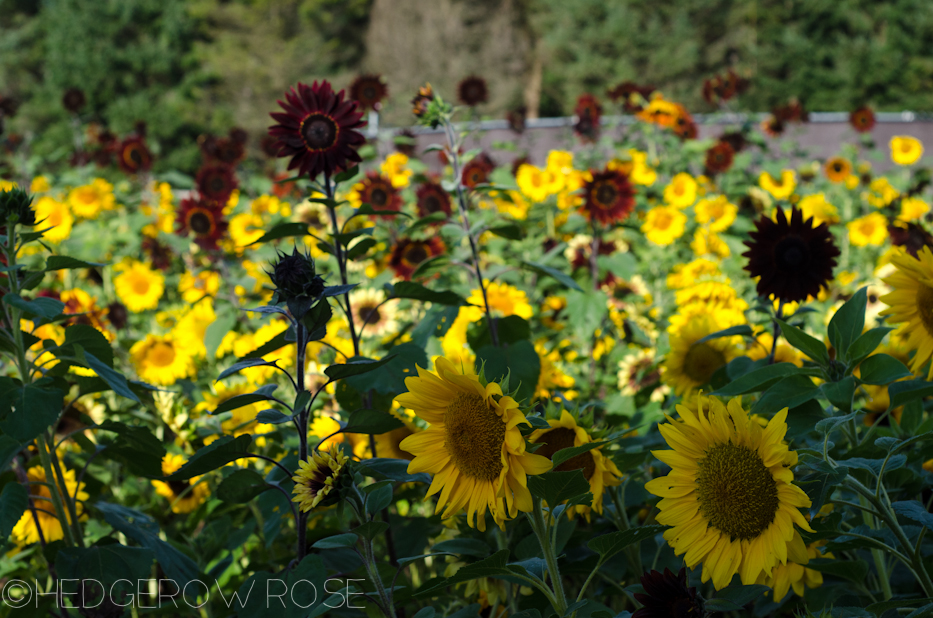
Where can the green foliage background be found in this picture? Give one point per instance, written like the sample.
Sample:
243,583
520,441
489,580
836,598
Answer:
188,67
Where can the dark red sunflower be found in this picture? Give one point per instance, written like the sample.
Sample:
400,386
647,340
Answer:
407,254
73,100
862,119
216,183
632,96
431,199
719,158
377,191
667,596
317,129
793,259
473,91
910,236
736,139
711,88
160,255
419,104
369,91
203,219
772,126
477,171
684,126
133,155
588,112
609,197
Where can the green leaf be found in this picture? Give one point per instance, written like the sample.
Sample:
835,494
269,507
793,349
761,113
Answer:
840,393
495,565
354,367
272,345
218,453
510,329
878,609
813,348
338,541
14,499
790,392
902,393
608,545
316,319
135,447
43,307
389,379
853,570
913,510
431,219
431,266
238,401
371,422
29,410
425,612
556,487
8,450
519,361
395,469
114,379
89,339
561,276
348,174
882,369
416,291
572,451
463,546
509,231
735,598
866,344
240,365
272,417
848,322
62,262
283,230
367,209
359,249
216,332
743,330
757,379
145,531
105,563
379,498
241,486
371,529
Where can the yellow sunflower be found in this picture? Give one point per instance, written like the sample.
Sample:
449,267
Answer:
781,188
796,576
161,359
504,300
138,286
184,496
664,224
912,208
837,169
911,304
551,377
599,470
473,445
905,150
394,167
708,242
690,365
25,531
872,229
195,287
50,213
191,328
681,191
317,478
729,496
685,275
269,204
244,229
535,183
88,200
816,207
717,211
880,193
372,315
39,184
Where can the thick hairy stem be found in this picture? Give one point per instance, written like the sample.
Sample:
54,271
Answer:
302,519
341,262
539,526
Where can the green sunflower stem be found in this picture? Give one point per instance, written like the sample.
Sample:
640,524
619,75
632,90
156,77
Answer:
877,555
540,528
373,571
46,459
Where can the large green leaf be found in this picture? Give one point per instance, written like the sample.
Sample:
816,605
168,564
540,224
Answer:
42,307
810,346
882,369
371,422
847,323
757,380
389,379
29,410
416,291
106,562
218,453
556,487
559,275
135,447
519,361
241,486
608,545
354,367
283,230
90,340
13,502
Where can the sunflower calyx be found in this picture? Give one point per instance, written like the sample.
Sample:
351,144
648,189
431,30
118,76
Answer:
296,282
16,207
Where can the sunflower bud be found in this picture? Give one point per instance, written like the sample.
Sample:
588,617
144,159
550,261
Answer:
16,207
321,479
296,282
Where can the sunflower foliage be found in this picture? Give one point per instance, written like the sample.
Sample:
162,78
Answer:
649,375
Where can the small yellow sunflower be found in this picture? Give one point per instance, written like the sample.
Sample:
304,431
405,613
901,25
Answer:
184,496
551,377
717,211
816,207
872,229
473,445
395,168
905,150
837,169
191,328
504,300
51,213
781,188
536,183
880,193
161,359
796,576
681,191
317,478
664,224
912,208
685,275
729,496
690,365
708,242
138,286
599,470
25,531
910,304
87,201
371,314
194,287
244,229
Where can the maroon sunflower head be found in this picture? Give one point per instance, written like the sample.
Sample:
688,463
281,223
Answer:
772,126
719,158
792,258
472,91
667,596
736,139
630,95
203,219
133,155
588,112
377,191
431,199
369,91
477,171
8,106
318,129
862,119
419,104
684,126
216,183
407,254
516,118
609,197
73,100
160,255
910,236
711,88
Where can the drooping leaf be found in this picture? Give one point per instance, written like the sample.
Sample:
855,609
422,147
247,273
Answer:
27,411
241,486
14,499
218,453
42,307
416,291
550,271
848,322
105,563
283,230
810,346
371,422
608,545
354,367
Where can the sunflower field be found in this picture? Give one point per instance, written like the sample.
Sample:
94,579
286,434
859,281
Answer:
647,375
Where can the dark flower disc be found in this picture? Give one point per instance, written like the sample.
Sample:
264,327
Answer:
431,199
667,596
369,91
472,91
609,197
133,155
216,183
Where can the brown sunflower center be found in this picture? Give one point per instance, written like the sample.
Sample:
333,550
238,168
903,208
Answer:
133,156
378,196
737,493
837,166
161,355
702,361
318,479
179,487
925,306
369,314
217,184
416,253
474,437
200,222
792,253
431,203
605,194
561,438
370,93
319,132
